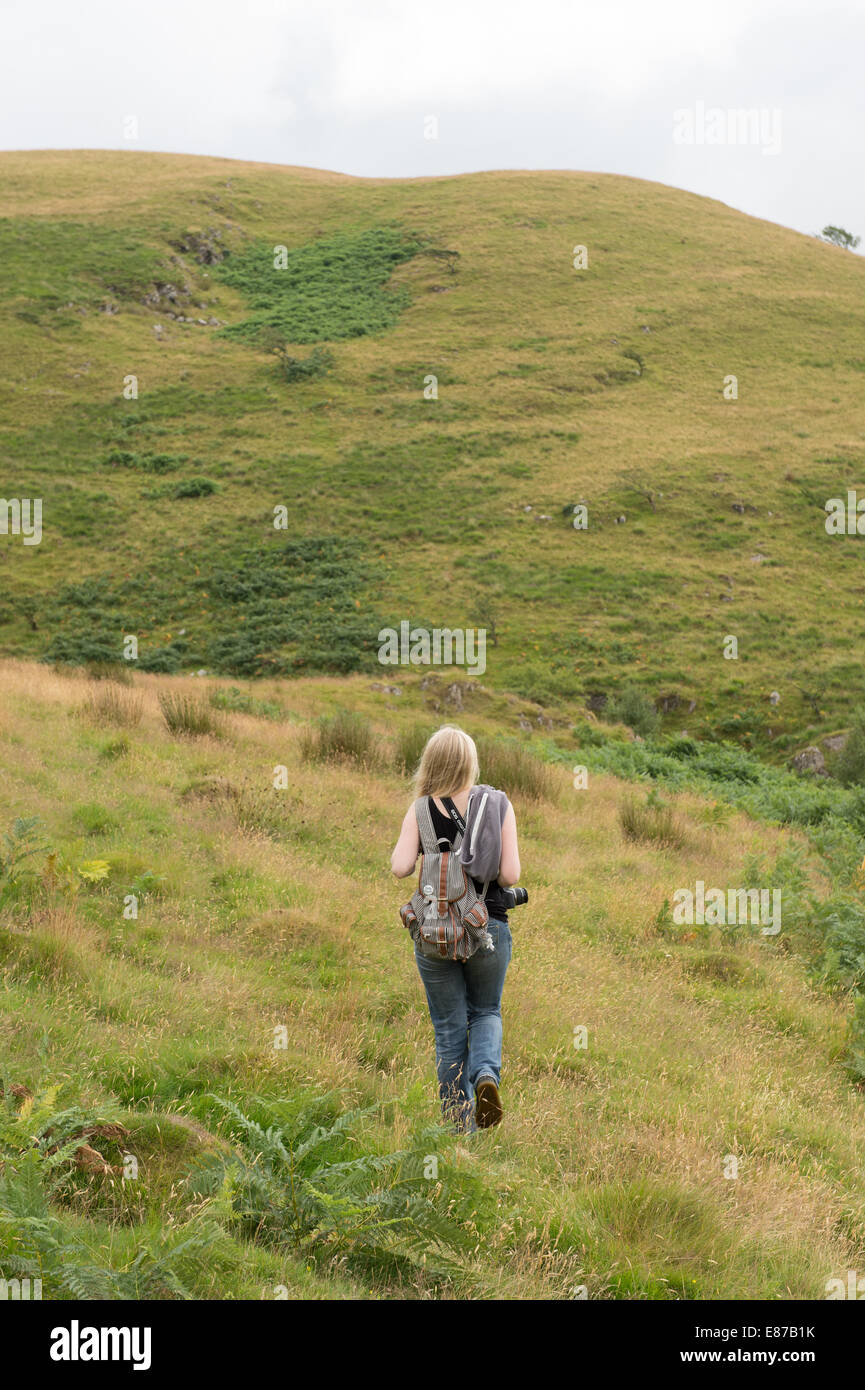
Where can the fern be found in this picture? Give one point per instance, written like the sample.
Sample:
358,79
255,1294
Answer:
21,842
294,1183
38,1144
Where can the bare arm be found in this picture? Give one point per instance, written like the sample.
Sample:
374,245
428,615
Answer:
509,869
407,848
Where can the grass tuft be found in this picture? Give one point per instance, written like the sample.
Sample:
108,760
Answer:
513,769
114,706
190,717
341,737
652,822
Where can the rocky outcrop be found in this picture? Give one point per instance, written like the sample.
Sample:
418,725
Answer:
204,246
810,760
835,742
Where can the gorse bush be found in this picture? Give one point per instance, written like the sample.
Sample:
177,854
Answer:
632,707
340,737
513,769
188,716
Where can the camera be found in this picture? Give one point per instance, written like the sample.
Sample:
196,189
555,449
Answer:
515,897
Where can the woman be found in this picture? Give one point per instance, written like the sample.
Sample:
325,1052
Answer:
464,997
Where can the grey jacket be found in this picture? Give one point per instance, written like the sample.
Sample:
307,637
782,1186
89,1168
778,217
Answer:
481,849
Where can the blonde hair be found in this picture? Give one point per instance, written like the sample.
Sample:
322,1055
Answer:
448,764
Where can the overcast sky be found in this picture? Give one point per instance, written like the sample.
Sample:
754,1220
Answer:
617,86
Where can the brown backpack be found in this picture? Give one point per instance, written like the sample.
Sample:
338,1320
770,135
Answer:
446,916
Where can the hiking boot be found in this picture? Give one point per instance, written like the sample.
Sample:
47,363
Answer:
489,1105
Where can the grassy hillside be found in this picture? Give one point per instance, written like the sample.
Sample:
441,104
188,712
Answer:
216,1060
262,910
302,387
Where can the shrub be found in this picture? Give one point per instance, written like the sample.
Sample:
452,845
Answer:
850,767
145,463
841,965
189,717
341,737
651,821
111,704
410,743
195,487
317,364
117,671
239,701
165,660
635,709
514,769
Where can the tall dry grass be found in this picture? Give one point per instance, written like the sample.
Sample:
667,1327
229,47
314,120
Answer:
114,706
190,716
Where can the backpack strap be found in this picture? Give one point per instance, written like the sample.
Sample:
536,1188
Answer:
428,842
428,838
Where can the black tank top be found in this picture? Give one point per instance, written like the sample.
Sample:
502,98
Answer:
445,829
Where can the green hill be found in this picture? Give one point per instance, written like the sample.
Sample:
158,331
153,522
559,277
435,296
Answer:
303,387
216,1062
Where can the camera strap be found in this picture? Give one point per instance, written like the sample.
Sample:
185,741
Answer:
454,814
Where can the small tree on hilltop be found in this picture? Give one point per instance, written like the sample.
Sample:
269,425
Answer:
838,237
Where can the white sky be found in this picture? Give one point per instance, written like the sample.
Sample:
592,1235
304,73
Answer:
530,84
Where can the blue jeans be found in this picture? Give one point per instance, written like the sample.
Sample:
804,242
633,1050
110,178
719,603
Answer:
465,1004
